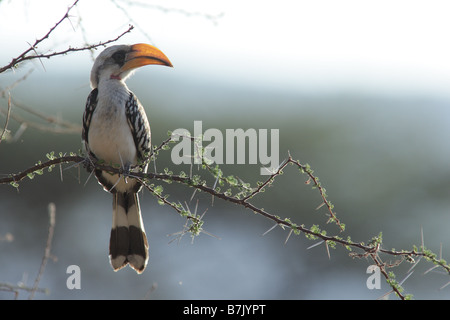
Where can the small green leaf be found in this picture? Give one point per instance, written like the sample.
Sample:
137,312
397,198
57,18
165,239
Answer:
14,184
51,155
158,190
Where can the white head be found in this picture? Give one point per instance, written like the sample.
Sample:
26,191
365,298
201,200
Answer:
118,62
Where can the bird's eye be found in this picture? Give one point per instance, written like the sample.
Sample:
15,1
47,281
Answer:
119,57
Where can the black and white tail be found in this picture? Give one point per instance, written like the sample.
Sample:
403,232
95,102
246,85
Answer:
128,242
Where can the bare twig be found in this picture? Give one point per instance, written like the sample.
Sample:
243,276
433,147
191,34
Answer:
57,125
64,52
24,56
8,114
17,288
48,246
210,17
131,20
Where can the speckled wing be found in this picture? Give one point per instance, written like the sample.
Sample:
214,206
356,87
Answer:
140,128
91,104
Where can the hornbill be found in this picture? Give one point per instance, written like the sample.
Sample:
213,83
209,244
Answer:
116,131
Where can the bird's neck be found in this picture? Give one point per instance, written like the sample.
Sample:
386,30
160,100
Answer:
113,89
112,83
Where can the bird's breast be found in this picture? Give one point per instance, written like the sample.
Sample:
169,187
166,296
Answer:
110,137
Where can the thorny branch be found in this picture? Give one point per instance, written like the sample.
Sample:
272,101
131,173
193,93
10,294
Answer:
24,55
372,249
31,52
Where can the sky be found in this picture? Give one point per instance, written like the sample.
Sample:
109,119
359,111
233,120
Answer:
382,46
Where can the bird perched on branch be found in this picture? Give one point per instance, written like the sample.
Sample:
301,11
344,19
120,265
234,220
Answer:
116,131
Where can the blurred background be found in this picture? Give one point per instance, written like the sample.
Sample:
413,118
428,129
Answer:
358,90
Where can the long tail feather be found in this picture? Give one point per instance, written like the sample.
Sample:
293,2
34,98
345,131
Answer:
128,242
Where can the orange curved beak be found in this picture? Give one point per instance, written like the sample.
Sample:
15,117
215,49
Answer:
142,54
